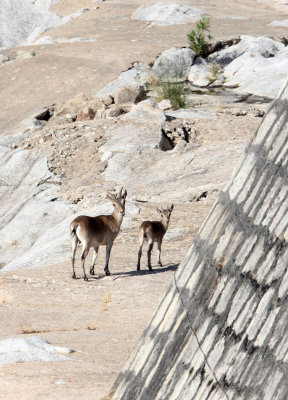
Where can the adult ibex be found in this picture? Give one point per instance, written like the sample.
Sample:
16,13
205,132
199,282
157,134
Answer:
97,231
153,231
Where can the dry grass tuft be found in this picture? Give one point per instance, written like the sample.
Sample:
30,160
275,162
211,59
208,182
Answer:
105,300
27,329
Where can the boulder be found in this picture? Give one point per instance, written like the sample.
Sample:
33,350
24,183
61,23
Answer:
264,46
75,105
137,73
173,64
200,73
248,70
253,60
113,112
129,95
167,14
87,113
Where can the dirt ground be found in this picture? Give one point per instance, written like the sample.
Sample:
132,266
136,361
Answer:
101,319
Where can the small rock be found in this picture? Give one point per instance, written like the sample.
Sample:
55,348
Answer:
113,112
86,114
100,114
165,104
129,95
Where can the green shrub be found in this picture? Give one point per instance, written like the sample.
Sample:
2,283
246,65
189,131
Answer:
173,91
198,37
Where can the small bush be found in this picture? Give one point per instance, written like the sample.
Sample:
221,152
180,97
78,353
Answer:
198,37
171,90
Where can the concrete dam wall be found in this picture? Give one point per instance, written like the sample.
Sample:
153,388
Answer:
221,330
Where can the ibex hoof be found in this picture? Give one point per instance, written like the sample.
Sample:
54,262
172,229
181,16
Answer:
138,267
150,267
74,275
85,278
107,272
91,271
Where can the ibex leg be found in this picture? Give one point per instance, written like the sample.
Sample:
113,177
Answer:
159,252
95,254
83,256
150,247
108,250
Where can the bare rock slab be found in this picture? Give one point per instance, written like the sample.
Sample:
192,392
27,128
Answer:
167,14
33,348
29,203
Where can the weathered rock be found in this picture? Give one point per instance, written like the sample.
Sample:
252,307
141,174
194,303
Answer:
173,64
246,71
145,111
167,14
100,113
75,105
126,96
165,104
45,114
264,46
3,59
253,60
280,23
178,130
33,348
200,73
189,114
86,113
113,112
30,204
137,73
32,19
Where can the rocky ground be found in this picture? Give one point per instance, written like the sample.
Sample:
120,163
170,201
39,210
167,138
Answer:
101,320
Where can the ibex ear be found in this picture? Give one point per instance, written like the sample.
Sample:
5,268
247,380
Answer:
110,196
124,194
158,210
171,208
120,192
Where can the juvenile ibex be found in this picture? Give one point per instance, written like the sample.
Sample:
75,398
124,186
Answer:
153,231
97,231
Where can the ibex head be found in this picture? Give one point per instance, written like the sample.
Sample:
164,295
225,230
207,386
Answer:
166,213
118,200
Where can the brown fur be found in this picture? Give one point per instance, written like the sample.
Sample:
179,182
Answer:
97,231
153,231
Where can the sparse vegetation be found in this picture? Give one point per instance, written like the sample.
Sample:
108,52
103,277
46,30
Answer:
199,37
171,90
215,70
